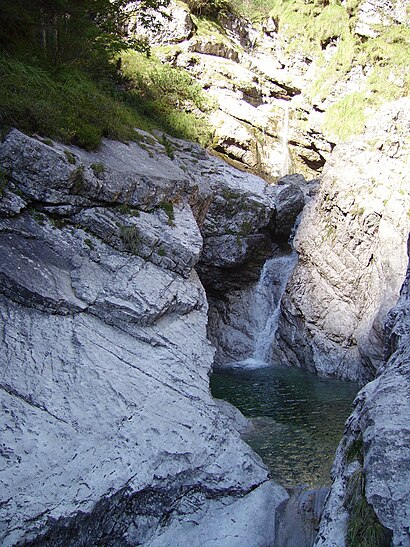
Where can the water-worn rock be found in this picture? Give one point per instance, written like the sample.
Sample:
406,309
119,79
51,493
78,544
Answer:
372,465
352,253
111,434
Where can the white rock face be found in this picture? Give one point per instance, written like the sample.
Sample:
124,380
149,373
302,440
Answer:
352,253
379,433
373,13
111,435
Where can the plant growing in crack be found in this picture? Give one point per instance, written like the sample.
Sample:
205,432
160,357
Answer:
76,180
98,168
131,238
168,207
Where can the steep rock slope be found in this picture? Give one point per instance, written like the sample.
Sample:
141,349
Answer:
352,253
111,435
284,96
372,468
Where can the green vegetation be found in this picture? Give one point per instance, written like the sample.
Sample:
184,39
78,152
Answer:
64,103
363,527
60,69
309,26
212,8
355,451
70,157
168,207
169,147
131,238
346,117
76,180
98,168
125,209
168,96
89,243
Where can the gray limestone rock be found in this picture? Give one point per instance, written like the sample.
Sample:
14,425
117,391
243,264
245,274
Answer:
352,254
110,434
375,450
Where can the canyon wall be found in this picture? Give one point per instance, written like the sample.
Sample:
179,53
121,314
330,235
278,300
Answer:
111,434
351,243
370,496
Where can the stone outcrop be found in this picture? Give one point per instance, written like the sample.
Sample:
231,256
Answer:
371,470
111,435
352,254
272,89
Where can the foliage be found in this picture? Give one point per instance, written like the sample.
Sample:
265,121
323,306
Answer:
346,117
168,207
355,451
67,31
65,104
255,10
131,238
363,527
309,26
169,96
212,8
98,168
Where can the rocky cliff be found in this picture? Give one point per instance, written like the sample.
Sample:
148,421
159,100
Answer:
370,496
284,97
352,253
111,435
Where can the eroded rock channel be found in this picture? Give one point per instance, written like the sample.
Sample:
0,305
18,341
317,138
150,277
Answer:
111,435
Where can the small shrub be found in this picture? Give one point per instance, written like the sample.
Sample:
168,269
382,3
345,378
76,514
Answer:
161,251
70,157
76,180
89,243
131,238
169,147
125,209
355,451
98,168
168,207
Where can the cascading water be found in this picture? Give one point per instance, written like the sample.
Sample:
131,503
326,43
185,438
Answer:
297,417
266,308
285,167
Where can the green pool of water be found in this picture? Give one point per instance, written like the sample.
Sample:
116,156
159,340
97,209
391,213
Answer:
298,418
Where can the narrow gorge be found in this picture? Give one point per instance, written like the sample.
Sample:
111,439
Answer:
210,346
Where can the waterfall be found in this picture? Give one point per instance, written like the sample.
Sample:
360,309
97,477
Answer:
266,308
285,167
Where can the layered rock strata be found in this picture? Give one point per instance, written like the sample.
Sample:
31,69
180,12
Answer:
370,492
111,435
352,254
